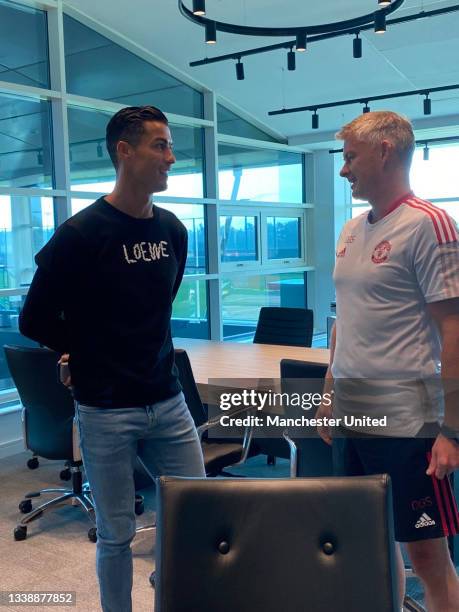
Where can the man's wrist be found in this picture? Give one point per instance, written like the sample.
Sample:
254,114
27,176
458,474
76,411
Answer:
449,432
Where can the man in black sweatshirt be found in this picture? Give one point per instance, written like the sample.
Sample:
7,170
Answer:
103,294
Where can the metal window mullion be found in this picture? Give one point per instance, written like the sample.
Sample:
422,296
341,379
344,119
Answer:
252,143
28,91
212,218
109,107
62,205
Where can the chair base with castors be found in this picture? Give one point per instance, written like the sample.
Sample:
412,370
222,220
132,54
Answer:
79,492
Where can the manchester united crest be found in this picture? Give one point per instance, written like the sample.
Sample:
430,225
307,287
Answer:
381,252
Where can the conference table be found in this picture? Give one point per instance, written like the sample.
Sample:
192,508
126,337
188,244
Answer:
214,361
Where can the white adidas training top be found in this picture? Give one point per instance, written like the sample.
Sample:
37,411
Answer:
385,273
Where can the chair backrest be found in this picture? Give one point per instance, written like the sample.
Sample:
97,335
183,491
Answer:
48,405
287,326
297,544
314,456
189,388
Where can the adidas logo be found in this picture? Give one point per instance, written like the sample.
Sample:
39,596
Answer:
424,521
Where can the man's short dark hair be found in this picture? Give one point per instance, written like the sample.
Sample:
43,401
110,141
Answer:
128,124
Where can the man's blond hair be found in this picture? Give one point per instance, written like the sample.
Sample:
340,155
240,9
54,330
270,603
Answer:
377,126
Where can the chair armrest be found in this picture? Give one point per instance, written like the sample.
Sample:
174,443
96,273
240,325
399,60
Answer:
216,420
293,455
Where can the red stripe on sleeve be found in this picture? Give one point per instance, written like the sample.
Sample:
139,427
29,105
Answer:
444,219
431,215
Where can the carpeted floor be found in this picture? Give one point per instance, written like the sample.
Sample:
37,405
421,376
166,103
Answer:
57,555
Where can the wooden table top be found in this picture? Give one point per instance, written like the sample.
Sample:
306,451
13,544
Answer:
234,360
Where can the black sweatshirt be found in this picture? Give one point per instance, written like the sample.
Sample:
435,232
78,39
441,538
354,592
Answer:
103,292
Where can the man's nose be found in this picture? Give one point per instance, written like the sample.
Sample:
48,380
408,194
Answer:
343,171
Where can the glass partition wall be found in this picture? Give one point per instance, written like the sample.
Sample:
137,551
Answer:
236,186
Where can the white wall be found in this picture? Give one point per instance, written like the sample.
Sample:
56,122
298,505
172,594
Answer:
329,194
10,432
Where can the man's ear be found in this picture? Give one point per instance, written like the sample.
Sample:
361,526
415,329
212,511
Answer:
123,150
387,149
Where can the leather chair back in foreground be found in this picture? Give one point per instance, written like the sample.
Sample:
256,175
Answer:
316,544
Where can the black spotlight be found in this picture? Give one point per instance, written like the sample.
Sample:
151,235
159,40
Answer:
211,33
240,70
427,105
425,154
380,22
199,7
315,121
357,46
291,60
366,108
301,42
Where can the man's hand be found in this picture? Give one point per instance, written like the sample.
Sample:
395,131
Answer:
64,374
445,457
324,431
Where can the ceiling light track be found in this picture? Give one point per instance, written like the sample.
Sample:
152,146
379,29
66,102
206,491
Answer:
426,91
335,26
351,30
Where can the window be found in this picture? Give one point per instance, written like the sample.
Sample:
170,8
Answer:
192,217
96,67
26,224
284,237
238,238
244,295
260,174
232,124
25,145
24,45
437,176
189,313
91,168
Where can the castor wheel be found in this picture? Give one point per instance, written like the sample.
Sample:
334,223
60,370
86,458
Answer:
153,579
32,464
65,474
25,506
92,534
139,507
20,533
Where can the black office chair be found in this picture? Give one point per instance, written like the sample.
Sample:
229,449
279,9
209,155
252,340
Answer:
48,428
316,544
287,326
218,454
309,454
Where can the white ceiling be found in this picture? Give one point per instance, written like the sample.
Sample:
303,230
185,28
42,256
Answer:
415,55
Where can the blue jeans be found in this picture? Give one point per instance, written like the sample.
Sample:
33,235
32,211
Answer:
164,436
